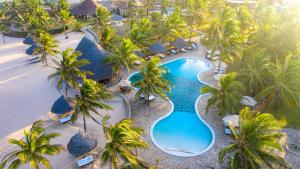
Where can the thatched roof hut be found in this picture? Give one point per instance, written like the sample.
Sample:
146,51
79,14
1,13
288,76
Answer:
86,8
96,55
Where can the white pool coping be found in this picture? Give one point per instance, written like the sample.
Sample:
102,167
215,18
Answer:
175,152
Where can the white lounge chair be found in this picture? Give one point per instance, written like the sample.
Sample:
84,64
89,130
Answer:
138,62
182,50
173,51
65,119
87,160
161,55
151,97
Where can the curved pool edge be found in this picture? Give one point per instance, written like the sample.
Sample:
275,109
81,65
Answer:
178,153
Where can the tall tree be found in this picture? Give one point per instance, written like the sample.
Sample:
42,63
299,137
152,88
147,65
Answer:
255,143
282,89
108,38
68,70
141,33
4,18
124,55
47,46
92,95
32,150
149,5
102,19
66,19
227,97
121,139
152,80
164,6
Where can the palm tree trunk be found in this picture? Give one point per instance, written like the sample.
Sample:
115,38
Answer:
66,89
66,33
84,123
3,38
148,98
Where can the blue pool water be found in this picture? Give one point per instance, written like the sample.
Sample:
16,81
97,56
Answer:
182,132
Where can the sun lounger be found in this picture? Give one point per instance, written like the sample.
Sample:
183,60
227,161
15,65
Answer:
87,160
182,50
35,59
173,51
138,62
151,97
65,119
161,55
227,130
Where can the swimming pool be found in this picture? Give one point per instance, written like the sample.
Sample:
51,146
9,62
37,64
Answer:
182,132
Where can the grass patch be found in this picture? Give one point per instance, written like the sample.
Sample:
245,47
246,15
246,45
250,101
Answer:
292,117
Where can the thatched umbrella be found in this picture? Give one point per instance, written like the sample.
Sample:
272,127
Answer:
157,48
61,106
179,43
81,144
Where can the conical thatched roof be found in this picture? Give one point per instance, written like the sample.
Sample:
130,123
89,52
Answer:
179,43
61,106
81,144
157,48
87,7
31,49
96,56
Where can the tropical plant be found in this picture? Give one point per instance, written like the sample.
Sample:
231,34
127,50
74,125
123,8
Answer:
66,19
124,55
4,18
254,72
46,46
227,97
282,89
68,70
255,142
108,39
164,6
102,19
141,33
121,139
223,34
152,80
33,149
148,5
92,95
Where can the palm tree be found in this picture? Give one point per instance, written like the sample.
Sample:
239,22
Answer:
66,19
282,90
153,80
149,5
121,139
254,74
108,38
4,18
227,97
68,70
164,6
141,33
102,19
124,55
47,46
254,144
91,96
32,150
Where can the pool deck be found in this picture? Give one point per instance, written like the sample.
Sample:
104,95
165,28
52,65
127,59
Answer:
144,116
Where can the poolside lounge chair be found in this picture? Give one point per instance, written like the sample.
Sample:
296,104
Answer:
151,97
182,50
161,55
65,119
227,130
173,51
138,62
84,161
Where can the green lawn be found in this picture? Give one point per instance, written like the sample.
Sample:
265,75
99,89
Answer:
292,117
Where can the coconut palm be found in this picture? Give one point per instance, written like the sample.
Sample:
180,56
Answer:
68,70
254,74
227,97
283,87
141,33
121,140
66,19
91,96
108,38
102,19
4,18
255,143
148,5
153,80
164,6
33,149
124,55
47,46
